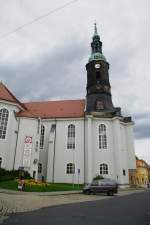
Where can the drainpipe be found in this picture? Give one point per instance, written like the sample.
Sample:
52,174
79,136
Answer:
17,133
84,153
54,154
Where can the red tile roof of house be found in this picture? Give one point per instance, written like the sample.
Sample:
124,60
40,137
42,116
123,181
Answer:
6,95
54,109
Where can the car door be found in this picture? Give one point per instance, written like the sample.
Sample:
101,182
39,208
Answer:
94,186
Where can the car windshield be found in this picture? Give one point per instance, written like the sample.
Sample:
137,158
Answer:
107,182
103,182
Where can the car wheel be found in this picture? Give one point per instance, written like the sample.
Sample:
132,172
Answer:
110,193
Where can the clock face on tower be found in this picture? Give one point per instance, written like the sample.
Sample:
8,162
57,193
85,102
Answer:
97,65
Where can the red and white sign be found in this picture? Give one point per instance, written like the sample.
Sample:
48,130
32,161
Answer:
27,151
28,139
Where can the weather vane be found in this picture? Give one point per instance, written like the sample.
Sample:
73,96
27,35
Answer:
95,27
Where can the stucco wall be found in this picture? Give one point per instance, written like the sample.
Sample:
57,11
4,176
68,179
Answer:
7,145
54,157
64,155
27,127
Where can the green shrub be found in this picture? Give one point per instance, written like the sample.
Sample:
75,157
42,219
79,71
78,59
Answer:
98,177
12,174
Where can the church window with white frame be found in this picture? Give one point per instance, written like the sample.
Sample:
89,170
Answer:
71,137
3,122
70,168
102,137
103,169
42,137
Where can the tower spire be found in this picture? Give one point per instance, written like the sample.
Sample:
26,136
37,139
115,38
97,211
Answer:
96,46
95,28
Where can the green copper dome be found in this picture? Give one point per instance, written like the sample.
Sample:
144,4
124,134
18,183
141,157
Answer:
97,56
96,47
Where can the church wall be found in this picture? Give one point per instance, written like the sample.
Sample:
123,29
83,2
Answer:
43,153
105,156
130,147
86,180
28,128
124,154
121,153
64,155
7,145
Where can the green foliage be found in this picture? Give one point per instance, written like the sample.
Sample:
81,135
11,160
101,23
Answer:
13,185
9,184
98,177
11,175
53,187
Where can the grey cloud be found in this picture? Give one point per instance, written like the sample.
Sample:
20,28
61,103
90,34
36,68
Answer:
142,125
59,72
142,130
56,74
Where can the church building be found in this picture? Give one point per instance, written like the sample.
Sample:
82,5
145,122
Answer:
69,141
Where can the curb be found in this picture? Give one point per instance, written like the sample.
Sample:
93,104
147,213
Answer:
53,193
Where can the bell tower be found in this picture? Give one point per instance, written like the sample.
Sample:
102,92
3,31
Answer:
98,97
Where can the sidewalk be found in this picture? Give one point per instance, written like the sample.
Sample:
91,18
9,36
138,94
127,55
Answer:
55,193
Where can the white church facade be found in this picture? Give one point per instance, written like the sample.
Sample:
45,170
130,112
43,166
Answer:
69,141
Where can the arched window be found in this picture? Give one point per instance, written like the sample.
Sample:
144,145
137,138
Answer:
39,167
42,137
103,169
102,137
3,122
70,168
0,162
71,137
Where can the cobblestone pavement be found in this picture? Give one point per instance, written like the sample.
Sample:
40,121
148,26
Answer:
12,202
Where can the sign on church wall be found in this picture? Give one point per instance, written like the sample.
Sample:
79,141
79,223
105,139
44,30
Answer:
27,151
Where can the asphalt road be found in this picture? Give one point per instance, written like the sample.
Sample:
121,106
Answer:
133,209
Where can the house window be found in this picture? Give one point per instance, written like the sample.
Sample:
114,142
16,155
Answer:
103,169
3,122
36,146
124,172
39,167
71,137
0,162
102,137
42,137
70,168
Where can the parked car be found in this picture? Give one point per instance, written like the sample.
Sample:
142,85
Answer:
101,186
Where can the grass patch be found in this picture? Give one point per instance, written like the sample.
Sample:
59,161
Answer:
43,187
9,184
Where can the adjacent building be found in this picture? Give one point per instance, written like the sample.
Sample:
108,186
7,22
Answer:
140,177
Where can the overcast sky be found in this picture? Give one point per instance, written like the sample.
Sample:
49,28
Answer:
46,60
